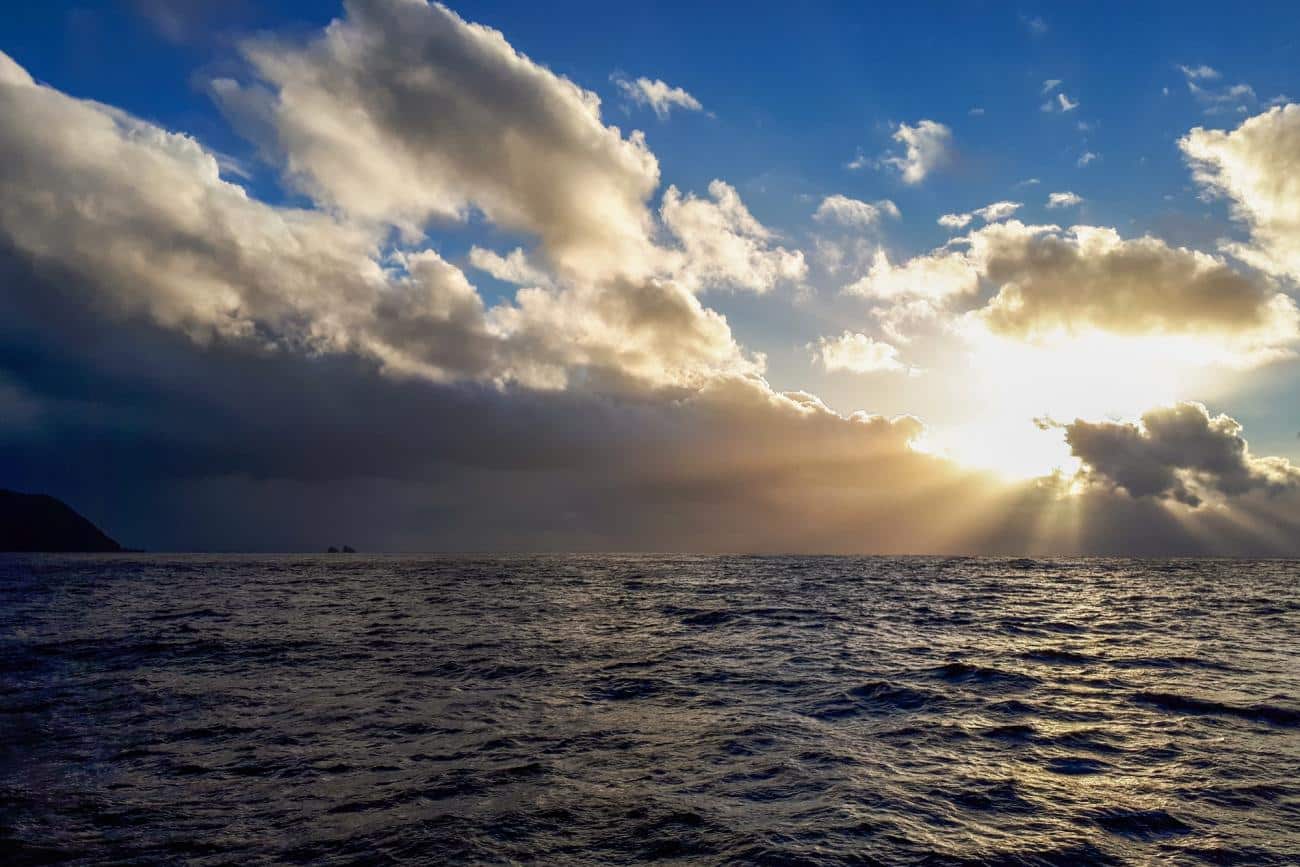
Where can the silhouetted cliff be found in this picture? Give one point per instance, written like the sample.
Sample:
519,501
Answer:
36,522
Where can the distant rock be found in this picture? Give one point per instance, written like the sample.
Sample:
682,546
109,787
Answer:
36,522
348,549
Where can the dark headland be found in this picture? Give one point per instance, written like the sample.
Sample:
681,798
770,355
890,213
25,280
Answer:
37,522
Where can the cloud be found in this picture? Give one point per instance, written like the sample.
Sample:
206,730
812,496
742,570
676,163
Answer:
977,111
1237,98
859,161
657,95
402,112
723,246
856,353
1090,278
939,275
1051,84
928,147
853,212
991,213
1034,24
181,21
997,211
305,374
1202,72
1257,167
1064,200
511,268
1046,282
1061,103
142,223
1087,157
1179,452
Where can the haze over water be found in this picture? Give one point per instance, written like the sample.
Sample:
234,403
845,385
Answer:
616,709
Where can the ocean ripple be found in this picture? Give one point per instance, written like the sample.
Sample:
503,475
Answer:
618,709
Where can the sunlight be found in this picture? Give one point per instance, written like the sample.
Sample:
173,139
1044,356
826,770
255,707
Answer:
1024,392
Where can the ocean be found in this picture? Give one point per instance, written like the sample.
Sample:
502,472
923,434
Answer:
356,709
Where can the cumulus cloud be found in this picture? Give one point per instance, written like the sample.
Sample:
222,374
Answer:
928,146
997,211
1046,281
297,374
148,227
402,112
1064,200
939,275
856,353
853,212
1090,278
514,267
657,95
1087,157
1179,452
723,246
1257,167
989,213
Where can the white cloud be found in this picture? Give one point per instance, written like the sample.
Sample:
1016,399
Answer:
938,275
1048,283
513,268
1257,167
1087,157
1051,84
928,147
723,246
977,111
1202,72
1090,278
462,121
853,212
1061,103
1064,200
172,241
997,211
856,353
1239,98
989,213
657,95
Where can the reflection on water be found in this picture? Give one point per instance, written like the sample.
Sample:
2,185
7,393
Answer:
595,708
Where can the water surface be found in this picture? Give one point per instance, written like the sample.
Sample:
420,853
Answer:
357,709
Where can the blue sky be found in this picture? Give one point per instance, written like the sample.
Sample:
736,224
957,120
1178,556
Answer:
801,104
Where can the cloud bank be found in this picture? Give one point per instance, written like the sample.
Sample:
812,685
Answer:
212,370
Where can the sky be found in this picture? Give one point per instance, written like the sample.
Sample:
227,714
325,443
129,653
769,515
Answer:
943,278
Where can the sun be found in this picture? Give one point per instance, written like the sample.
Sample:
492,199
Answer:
1023,392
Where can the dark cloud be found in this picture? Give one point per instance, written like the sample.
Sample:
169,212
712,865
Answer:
1180,452
197,368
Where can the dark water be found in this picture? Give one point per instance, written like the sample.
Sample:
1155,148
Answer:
338,710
